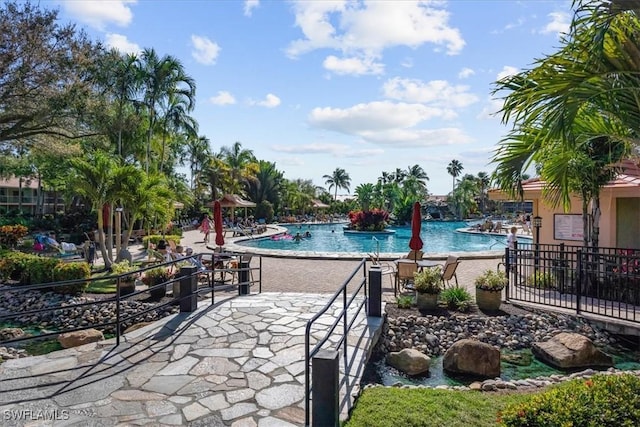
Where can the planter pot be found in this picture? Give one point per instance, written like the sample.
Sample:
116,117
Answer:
127,288
426,301
488,300
160,292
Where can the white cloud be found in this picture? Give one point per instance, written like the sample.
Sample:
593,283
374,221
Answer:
249,5
270,101
99,14
491,109
365,28
334,150
559,23
407,63
204,50
436,92
355,66
387,122
120,42
223,98
465,73
506,71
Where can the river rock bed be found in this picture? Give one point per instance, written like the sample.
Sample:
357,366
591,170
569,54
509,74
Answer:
63,315
433,335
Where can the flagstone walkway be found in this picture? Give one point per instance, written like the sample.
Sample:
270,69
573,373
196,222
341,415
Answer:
240,363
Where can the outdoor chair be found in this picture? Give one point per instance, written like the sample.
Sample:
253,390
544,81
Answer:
449,270
415,255
404,275
386,268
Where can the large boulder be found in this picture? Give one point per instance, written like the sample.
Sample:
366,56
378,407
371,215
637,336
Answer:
569,350
409,361
471,357
76,338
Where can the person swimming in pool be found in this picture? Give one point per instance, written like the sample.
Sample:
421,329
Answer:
307,234
297,237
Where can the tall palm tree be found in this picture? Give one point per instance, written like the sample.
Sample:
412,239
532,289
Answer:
483,181
242,164
176,119
197,151
338,179
163,77
216,175
454,169
125,79
418,173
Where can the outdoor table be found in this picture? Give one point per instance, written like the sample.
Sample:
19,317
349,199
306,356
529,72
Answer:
422,263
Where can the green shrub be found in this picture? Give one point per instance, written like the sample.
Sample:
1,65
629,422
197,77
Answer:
71,271
14,266
602,401
39,270
541,280
404,301
456,298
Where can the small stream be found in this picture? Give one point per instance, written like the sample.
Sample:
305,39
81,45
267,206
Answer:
515,365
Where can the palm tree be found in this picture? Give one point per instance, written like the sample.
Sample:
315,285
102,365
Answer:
338,179
265,186
364,193
99,179
176,119
242,164
163,77
216,175
419,174
483,181
197,152
463,197
454,169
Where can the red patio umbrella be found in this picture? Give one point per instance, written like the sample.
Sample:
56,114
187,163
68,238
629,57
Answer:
416,223
217,223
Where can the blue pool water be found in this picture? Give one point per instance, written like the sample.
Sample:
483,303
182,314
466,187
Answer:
438,237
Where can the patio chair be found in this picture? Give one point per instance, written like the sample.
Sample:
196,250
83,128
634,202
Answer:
415,255
386,268
404,275
449,270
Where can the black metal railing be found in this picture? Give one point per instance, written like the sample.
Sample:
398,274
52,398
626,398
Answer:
341,317
602,281
208,278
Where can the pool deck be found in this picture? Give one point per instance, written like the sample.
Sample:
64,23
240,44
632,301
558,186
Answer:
236,363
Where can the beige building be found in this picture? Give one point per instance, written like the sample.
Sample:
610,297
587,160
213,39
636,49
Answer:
10,199
619,205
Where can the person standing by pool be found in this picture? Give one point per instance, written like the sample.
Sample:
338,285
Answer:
205,227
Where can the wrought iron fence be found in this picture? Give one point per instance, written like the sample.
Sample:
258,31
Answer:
207,278
602,281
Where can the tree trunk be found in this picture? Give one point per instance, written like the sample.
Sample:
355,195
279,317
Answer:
595,214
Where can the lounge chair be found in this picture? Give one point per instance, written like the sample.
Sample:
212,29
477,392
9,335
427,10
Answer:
404,275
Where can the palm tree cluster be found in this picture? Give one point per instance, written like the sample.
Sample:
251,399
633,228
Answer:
575,114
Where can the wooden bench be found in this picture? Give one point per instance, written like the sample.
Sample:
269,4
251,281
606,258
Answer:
136,236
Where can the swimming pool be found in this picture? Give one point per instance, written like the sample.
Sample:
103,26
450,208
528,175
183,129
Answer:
438,237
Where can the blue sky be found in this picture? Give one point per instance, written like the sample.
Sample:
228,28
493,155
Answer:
367,86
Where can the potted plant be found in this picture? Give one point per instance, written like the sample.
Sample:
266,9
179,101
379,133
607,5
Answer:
428,284
127,282
154,277
489,286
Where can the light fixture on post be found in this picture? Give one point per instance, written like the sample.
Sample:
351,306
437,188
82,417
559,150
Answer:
537,225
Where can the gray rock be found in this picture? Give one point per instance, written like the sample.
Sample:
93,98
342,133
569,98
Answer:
569,350
409,361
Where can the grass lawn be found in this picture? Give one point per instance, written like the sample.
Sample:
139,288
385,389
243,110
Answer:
422,407
106,286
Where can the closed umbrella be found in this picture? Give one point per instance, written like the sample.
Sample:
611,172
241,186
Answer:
416,223
217,223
